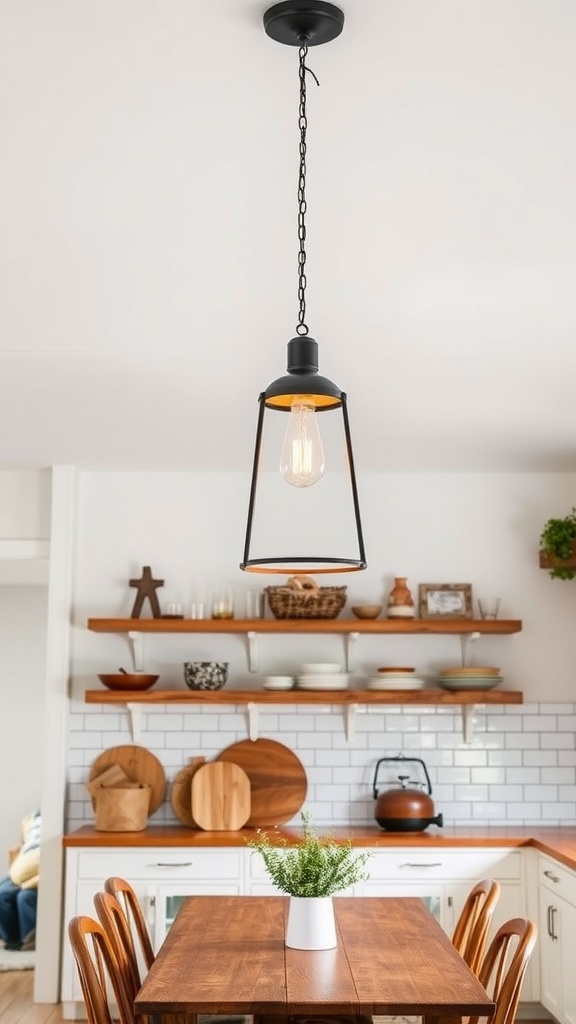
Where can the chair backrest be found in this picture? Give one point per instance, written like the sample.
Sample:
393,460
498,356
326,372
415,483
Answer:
128,900
504,966
98,970
471,932
113,920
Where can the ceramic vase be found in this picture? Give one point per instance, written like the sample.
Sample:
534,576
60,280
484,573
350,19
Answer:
311,923
400,603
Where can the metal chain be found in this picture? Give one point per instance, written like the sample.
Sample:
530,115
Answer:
302,327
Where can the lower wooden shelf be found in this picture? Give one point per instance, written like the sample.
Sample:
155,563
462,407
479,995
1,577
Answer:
304,697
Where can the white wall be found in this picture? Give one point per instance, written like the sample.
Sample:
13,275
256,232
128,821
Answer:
23,620
481,529
520,767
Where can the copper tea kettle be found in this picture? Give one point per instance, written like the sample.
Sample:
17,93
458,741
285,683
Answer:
402,809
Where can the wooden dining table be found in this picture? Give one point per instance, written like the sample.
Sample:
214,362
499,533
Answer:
227,955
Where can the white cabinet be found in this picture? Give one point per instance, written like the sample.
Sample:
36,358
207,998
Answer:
557,933
161,877
443,879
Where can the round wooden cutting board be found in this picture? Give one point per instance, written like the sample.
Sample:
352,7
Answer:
220,797
182,791
140,765
278,782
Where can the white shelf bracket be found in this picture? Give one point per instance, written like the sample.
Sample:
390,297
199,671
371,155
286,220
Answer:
137,644
468,722
350,726
135,713
253,724
465,640
251,638
351,642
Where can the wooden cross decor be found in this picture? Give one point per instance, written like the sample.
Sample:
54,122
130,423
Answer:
146,589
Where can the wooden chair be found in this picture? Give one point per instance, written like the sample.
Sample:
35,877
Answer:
114,922
127,898
504,966
97,966
471,931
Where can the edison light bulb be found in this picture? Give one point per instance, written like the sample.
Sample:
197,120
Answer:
302,457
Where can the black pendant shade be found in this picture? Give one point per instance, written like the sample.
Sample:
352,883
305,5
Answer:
302,379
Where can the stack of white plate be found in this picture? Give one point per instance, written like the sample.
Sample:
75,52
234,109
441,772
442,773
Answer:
480,678
322,676
395,681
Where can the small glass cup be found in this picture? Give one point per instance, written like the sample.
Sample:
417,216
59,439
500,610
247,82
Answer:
197,610
488,607
254,604
222,603
173,610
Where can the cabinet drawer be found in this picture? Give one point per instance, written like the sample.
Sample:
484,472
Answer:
161,864
557,879
451,865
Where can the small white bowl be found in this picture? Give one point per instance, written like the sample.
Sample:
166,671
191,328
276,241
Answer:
322,667
278,682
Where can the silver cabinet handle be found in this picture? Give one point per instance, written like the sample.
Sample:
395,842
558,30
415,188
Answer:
553,878
433,864
182,864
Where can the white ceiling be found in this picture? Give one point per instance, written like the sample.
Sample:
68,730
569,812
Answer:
148,230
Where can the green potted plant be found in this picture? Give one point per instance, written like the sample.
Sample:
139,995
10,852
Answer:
557,547
310,873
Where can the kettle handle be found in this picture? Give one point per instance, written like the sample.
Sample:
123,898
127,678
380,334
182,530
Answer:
400,758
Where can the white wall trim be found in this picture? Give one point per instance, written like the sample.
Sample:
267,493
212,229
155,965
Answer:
50,893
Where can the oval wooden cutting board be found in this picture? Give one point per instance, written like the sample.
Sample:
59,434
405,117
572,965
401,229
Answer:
220,797
140,765
278,783
181,797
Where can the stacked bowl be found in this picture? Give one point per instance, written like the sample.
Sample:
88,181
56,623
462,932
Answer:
459,678
395,678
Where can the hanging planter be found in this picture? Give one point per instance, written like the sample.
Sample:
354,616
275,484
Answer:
558,547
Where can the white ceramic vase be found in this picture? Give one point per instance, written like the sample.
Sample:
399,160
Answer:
311,923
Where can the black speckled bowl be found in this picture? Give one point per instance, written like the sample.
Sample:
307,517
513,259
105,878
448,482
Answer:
205,675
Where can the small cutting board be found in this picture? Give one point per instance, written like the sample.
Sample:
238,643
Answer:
181,797
278,780
220,797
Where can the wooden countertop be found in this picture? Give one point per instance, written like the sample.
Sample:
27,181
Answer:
558,842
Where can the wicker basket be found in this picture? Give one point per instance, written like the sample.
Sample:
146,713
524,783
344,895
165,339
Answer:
295,601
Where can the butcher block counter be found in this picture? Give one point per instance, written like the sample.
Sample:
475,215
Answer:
558,842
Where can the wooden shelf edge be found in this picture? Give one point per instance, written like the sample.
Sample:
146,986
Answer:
344,697
372,626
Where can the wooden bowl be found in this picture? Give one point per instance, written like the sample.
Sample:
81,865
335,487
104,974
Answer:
127,681
367,611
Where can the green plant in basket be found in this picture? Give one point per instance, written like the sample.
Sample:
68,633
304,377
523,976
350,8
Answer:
557,540
315,867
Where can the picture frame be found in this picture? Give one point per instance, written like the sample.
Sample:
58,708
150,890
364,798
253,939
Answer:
445,600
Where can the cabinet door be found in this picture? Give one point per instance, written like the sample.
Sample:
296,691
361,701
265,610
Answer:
164,901
549,936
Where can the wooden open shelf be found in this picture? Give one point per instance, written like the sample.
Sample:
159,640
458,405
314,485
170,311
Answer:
366,626
296,696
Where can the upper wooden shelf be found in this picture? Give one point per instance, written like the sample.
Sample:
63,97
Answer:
366,626
303,696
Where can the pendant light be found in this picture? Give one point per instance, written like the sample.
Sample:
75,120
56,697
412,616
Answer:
302,394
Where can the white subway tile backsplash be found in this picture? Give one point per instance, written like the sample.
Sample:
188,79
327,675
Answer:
540,757
520,766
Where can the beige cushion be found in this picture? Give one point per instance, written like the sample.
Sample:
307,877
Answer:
25,866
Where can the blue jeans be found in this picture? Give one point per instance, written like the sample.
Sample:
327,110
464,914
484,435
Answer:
17,912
